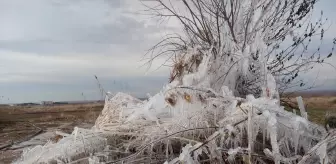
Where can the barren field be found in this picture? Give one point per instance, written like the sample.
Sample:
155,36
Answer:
18,124
317,107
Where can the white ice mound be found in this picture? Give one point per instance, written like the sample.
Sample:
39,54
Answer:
116,108
131,131
81,143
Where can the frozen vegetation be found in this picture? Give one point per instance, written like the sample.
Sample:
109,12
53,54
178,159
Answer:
193,124
205,115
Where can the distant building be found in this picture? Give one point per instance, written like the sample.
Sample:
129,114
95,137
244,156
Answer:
47,103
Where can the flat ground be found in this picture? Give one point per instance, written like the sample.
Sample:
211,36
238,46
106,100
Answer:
16,123
317,107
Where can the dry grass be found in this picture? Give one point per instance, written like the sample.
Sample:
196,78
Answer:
17,122
54,108
68,112
47,116
333,101
317,107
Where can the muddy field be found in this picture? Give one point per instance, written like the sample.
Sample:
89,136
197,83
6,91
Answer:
18,124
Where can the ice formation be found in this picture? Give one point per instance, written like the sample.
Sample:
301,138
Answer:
206,113
210,124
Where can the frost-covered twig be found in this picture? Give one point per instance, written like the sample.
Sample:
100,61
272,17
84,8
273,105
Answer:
141,149
209,139
331,137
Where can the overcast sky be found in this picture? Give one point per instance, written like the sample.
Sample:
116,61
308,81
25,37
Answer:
51,49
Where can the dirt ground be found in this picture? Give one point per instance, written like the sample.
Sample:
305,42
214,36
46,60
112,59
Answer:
18,123
317,107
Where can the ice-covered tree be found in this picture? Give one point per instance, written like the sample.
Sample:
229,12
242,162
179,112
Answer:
247,40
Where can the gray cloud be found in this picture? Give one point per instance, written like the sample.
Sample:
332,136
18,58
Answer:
51,49
70,26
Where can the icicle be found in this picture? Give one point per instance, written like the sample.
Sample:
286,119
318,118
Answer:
272,130
185,155
231,129
226,91
250,132
302,108
272,88
75,132
232,154
245,60
264,134
322,153
197,152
